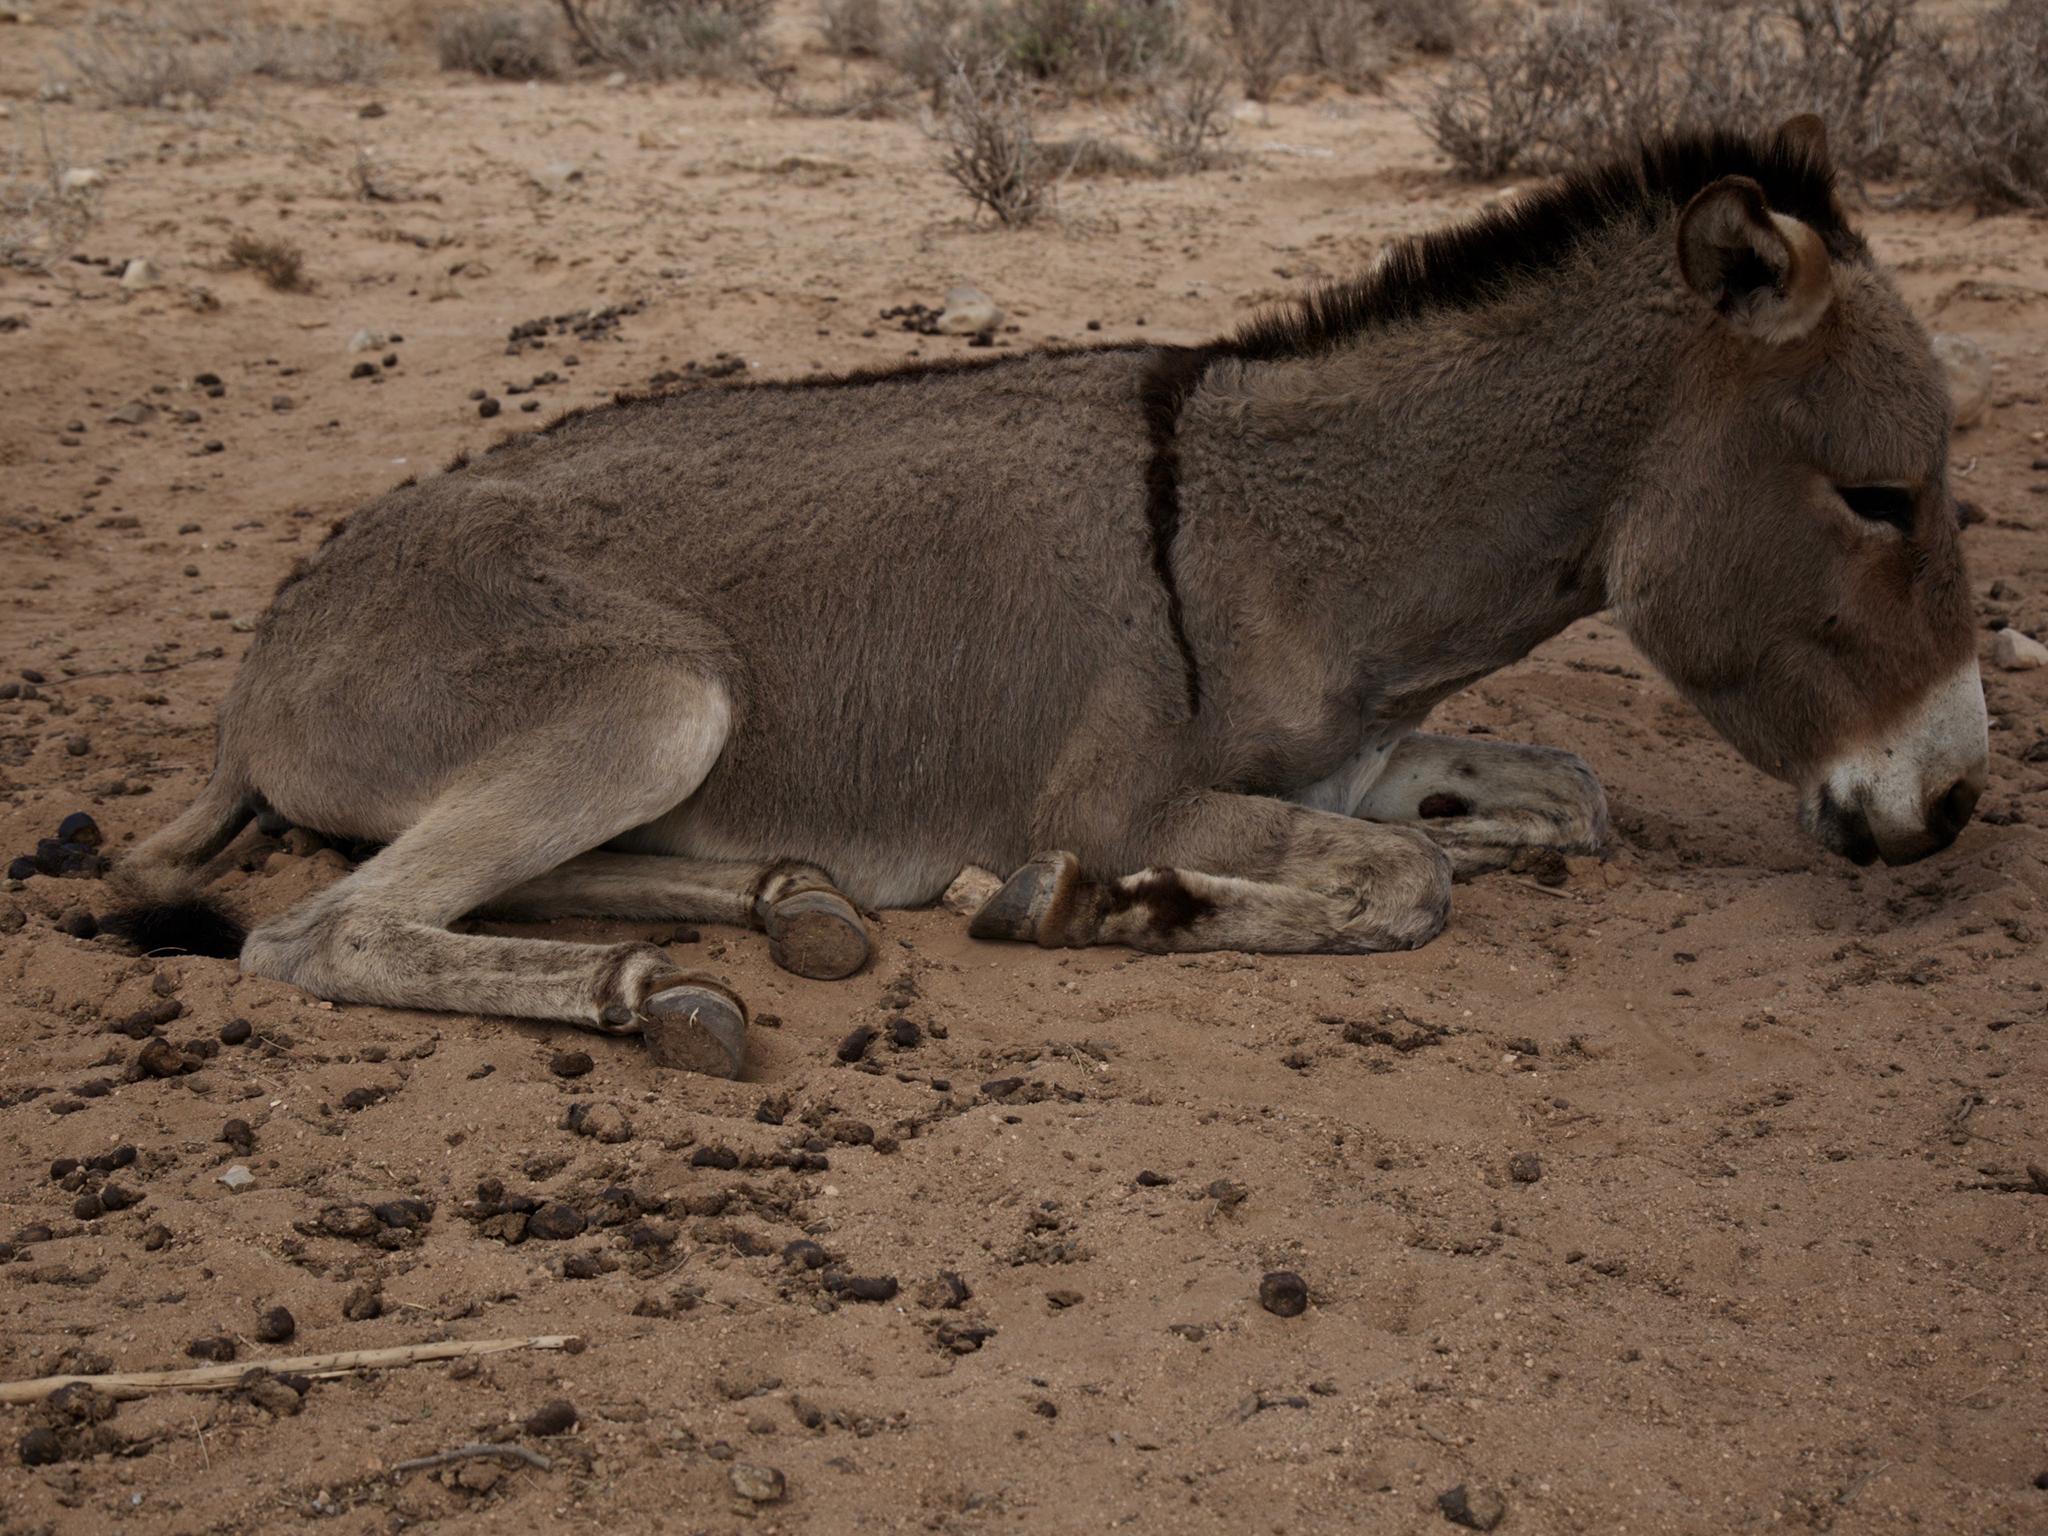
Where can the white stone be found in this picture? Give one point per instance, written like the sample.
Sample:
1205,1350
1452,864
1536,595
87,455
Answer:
141,273
1969,377
367,340
81,179
559,176
969,312
238,1178
2015,652
970,888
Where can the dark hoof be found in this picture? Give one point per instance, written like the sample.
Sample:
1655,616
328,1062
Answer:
1041,889
696,1026
817,934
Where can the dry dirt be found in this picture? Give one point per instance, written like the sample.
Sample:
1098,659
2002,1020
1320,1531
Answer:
1778,1269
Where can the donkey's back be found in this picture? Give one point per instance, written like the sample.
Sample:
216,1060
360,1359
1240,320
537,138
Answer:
863,564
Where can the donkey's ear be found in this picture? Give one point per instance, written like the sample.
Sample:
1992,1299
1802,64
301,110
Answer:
1806,136
1768,275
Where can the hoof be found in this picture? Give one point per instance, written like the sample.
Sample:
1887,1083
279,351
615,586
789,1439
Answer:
817,934
1033,902
696,1026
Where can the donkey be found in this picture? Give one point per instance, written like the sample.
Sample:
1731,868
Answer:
1152,626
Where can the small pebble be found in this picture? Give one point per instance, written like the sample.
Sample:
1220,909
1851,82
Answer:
571,1063
40,1447
757,1484
236,1032
1525,1167
856,1044
219,1350
1476,1508
276,1326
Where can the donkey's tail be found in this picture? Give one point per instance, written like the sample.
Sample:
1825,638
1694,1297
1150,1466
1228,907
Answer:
162,906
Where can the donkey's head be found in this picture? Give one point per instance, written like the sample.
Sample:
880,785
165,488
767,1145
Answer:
1794,566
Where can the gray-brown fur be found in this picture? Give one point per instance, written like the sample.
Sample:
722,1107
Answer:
1173,612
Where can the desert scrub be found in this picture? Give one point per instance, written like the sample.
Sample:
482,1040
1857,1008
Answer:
1983,124
853,29
1082,45
152,57
501,42
1185,117
988,144
670,39
1556,89
330,54
280,264
44,207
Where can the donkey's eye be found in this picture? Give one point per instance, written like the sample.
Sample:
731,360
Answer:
1880,503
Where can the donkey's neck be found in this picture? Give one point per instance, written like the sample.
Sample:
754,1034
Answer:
1368,528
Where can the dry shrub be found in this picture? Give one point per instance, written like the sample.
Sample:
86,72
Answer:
1089,154
853,28
930,38
500,42
1345,40
1262,35
279,263
989,145
1186,117
41,217
152,57
669,39
1984,124
330,54
174,54
1082,45
1427,26
1584,82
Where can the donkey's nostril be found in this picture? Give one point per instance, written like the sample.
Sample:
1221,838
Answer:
1951,813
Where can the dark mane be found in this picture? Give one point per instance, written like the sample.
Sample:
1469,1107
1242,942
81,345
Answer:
1462,266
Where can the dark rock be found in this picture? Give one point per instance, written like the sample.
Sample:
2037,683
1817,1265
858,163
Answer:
757,1484
1283,1293
276,1325
112,1158
81,829
218,1350
556,1417
904,1033
236,1032
856,1044
79,924
1150,1180
715,1157
363,1303
160,1058
806,1253
118,1197
489,408
156,1239
861,1287
1478,1509
555,1222
88,1207
944,1292
350,1221
571,1063
239,1135
1525,1167
40,1447
362,1098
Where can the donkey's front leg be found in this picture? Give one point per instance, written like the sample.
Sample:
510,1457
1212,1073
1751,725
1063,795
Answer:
1482,801
1236,872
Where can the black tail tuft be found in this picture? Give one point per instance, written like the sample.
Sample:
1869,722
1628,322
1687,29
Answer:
191,925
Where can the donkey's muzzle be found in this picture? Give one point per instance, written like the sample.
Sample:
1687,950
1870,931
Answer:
1847,830
1906,794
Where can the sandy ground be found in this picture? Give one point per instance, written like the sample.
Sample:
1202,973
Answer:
1778,1269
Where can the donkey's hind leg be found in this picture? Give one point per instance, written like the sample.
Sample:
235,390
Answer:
381,935
1483,801
812,929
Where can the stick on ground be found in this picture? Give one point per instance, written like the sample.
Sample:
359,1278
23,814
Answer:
222,1378
469,1452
